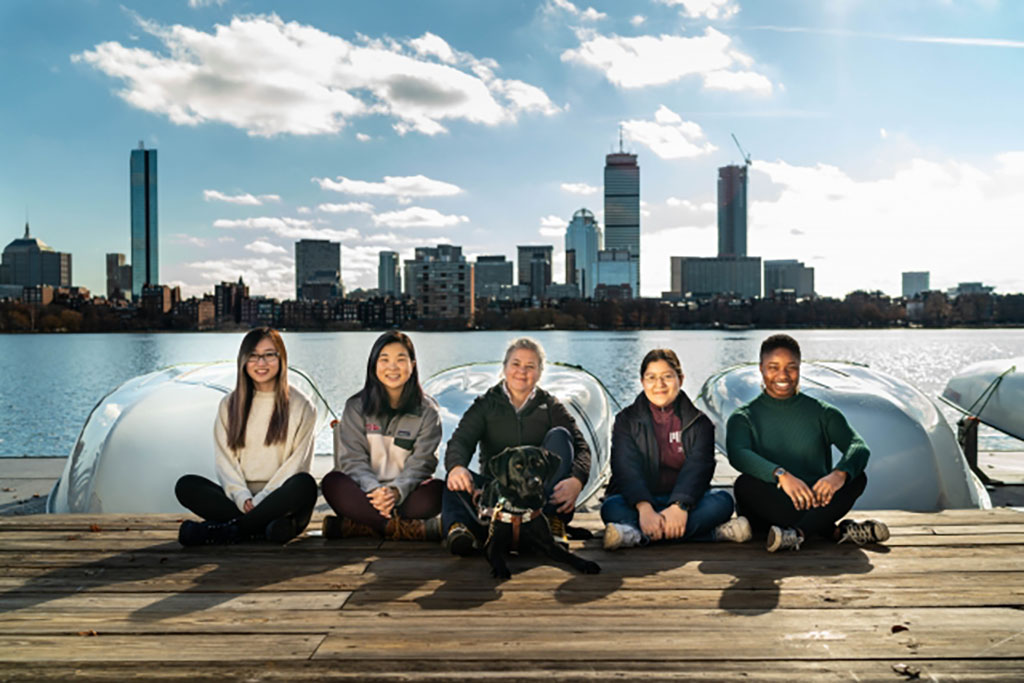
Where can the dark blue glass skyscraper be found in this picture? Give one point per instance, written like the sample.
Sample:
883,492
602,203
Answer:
145,254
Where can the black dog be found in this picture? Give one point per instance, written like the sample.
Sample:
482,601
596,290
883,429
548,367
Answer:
515,497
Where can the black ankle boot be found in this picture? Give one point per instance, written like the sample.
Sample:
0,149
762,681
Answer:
208,533
282,530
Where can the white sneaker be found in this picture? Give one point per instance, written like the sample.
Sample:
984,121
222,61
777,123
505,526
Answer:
735,530
621,536
783,539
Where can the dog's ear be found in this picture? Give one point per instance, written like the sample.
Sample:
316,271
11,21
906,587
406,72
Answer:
552,463
497,467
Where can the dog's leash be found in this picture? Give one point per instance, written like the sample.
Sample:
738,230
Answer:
513,516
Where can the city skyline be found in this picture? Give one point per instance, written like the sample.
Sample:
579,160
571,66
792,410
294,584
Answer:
863,122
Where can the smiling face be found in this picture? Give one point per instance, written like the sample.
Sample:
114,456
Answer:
780,371
661,383
264,365
394,367
522,370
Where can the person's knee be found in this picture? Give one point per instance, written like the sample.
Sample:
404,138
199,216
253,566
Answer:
303,483
613,508
184,486
722,502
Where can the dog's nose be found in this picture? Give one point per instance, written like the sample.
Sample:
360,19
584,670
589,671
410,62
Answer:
536,481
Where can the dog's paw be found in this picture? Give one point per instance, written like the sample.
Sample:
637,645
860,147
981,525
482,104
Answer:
589,567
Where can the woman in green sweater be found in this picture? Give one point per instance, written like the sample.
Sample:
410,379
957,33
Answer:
781,442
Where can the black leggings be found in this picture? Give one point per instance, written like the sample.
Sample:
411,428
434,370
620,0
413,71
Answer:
295,498
765,505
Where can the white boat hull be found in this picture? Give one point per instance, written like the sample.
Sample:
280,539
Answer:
916,463
145,434
582,394
1003,409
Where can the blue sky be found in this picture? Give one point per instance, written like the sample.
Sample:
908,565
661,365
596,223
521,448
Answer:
884,136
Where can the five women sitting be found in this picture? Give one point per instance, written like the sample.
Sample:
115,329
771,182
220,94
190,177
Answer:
662,457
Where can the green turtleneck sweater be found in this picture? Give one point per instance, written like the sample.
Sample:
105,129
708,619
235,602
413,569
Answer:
797,434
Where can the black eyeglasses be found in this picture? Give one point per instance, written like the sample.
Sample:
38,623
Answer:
268,357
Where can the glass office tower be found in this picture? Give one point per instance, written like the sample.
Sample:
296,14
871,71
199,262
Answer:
145,254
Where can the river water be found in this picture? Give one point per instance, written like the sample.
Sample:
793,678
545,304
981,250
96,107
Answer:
49,383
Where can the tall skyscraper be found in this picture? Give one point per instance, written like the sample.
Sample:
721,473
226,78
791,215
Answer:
732,211
915,282
622,206
317,269
534,262
582,242
490,274
389,278
145,251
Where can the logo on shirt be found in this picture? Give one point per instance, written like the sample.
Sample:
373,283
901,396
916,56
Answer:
404,432
675,437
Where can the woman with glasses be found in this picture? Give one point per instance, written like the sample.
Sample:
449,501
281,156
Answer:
663,457
263,444
385,452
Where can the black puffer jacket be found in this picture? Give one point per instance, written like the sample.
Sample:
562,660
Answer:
493,423
636,460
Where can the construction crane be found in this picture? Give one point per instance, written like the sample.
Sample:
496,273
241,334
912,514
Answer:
746,157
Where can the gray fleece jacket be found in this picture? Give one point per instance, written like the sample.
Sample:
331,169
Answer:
402,453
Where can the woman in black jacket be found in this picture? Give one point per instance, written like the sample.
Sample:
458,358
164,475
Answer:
514,412
663,456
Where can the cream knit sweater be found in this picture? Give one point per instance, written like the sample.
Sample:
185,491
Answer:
256,469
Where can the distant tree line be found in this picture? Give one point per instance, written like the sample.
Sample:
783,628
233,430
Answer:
856,310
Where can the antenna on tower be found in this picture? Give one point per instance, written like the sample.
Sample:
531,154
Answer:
620,138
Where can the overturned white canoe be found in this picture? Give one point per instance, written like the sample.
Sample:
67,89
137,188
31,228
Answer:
916,463
992,391
141,437
582,393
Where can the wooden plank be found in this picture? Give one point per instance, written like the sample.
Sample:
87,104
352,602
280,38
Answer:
157,648
521,669
131,602
782,634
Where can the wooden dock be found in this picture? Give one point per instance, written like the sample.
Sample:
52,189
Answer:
115,597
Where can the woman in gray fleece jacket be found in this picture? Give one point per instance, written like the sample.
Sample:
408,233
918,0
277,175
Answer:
385,451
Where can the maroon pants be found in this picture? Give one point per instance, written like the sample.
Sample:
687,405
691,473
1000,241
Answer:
345,497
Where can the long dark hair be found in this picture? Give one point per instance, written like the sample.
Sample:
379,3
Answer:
240,400
373,394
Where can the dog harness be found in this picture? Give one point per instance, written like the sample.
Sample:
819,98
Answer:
505,513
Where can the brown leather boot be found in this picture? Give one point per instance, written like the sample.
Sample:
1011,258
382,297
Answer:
399,529
343,527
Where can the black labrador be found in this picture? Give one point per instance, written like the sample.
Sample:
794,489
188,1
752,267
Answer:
514,498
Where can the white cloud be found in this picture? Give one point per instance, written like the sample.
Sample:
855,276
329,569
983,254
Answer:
264,247
638,19
636,62
402,187
883,133
668,135
589,14
269,77
264,275
304,210
182,238
864,230
245,199
417,217
708,9
552,226
349,207
363,137
205,3
290,228
580,188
